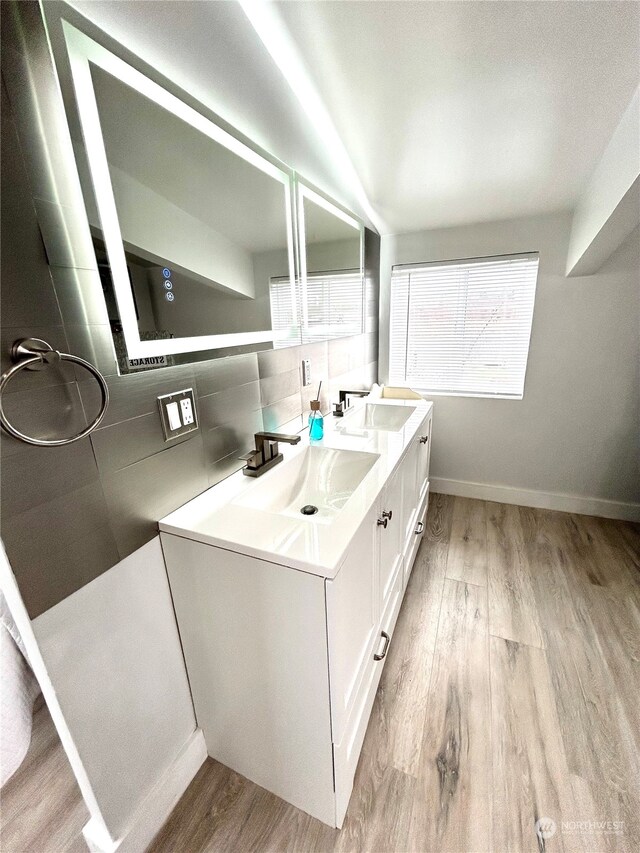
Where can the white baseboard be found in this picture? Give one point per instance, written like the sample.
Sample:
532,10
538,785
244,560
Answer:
157,805
541,500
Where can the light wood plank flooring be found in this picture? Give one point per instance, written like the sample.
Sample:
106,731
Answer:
41,810
511,695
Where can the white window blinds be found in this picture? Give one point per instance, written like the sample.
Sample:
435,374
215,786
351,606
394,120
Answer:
283,297
463,327
334,305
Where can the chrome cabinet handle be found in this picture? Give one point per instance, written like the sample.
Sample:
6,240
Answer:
419,528
424,439
382,522
387,514
387,640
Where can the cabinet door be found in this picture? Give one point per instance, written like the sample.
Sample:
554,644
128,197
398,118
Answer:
353,614
423,439
390,534
410,488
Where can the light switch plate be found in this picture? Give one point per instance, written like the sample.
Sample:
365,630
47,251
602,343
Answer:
173,415
178,413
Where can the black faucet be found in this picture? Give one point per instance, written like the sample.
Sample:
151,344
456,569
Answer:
266,453
342,407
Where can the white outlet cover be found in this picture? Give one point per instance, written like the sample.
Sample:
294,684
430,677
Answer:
187,411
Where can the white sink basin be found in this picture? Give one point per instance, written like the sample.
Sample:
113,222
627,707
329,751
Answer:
319,477
383,418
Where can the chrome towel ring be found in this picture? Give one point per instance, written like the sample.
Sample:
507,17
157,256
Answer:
36,354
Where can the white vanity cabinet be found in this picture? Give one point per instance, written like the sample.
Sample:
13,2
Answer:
284,663
254,636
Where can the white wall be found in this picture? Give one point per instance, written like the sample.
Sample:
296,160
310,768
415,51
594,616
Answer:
125,699
576,430
333,255
609,206
201,310
162,232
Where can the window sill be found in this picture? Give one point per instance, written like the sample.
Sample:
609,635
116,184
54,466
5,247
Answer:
427,394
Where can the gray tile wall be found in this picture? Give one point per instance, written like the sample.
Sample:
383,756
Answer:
70,513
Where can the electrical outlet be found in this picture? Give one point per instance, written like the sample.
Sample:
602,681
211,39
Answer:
306,372
178,413
187,411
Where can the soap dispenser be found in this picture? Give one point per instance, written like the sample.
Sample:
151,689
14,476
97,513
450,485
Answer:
316,422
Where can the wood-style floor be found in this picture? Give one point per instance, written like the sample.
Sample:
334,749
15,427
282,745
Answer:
511,695
41,810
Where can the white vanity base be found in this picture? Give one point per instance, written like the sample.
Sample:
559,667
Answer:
283,663
254,636
255,641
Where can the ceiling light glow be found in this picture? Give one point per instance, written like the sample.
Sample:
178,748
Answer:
275,36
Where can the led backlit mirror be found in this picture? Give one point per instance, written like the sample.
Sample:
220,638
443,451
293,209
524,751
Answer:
331,268
192,228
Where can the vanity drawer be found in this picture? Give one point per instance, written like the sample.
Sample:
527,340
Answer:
353,616
415,537
347,752
392,604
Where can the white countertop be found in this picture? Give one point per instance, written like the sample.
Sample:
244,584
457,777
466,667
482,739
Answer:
298,542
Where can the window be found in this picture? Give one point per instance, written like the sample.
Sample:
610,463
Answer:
335,306
463,327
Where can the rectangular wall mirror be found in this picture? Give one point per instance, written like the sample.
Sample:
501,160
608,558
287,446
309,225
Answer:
206,245
190,226
331,268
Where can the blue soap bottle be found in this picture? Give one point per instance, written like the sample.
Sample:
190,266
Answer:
316,422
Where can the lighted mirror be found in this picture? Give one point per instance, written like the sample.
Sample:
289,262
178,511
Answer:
331,268
192,228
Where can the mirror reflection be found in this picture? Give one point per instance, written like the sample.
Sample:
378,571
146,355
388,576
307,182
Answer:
194,231
331,274
204,231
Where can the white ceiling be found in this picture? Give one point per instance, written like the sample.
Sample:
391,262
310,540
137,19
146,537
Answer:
460,112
